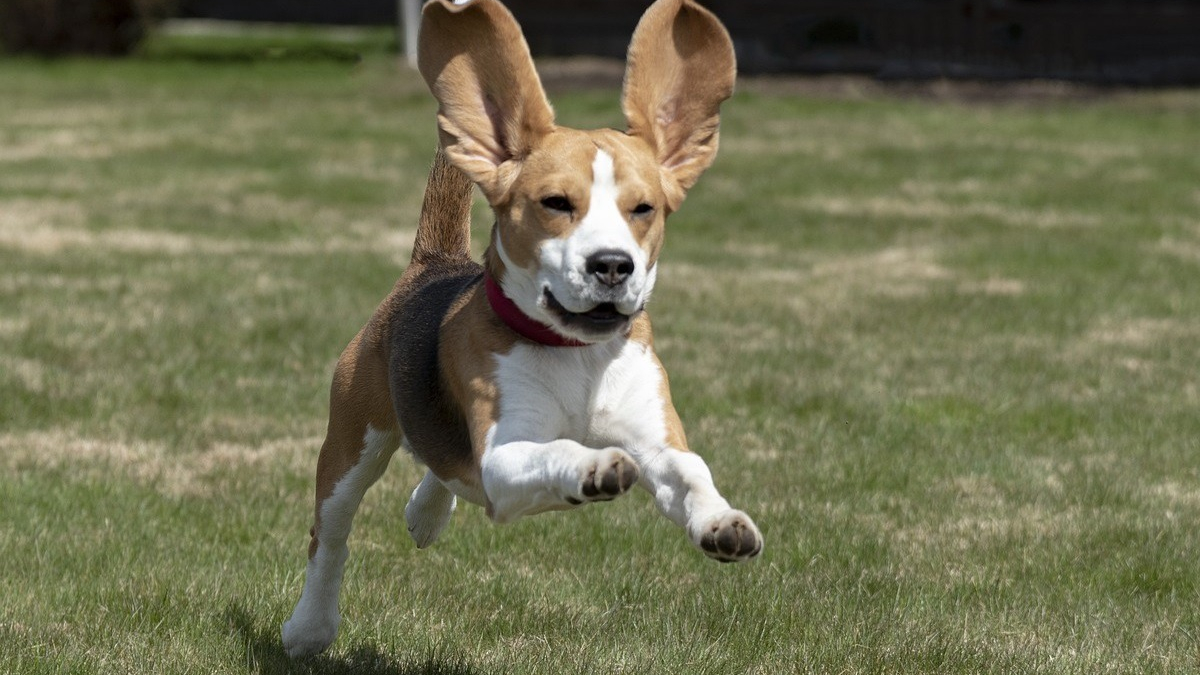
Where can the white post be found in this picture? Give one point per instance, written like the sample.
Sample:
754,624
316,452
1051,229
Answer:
409,15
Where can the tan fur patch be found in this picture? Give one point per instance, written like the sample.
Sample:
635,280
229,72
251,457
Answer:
359,399
471,337
560,166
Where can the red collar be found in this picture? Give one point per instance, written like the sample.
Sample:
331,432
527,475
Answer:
525,325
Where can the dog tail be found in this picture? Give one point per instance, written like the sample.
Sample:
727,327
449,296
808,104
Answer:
444,229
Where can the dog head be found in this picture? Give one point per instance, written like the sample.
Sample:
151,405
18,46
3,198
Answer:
580,215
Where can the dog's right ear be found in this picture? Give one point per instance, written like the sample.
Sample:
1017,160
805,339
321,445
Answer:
492,109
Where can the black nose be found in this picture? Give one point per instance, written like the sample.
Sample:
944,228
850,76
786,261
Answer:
611,267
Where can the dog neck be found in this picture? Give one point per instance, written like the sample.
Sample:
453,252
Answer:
524,325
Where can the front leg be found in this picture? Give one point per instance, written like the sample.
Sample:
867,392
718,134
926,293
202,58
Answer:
522,478
684,492
679,480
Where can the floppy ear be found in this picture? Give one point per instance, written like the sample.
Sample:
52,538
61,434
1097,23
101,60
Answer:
492,110
680,68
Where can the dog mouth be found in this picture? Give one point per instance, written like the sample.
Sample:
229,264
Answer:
604,318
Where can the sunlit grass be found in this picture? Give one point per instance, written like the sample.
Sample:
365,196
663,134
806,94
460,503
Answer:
944,353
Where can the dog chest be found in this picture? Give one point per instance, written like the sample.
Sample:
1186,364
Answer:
601,395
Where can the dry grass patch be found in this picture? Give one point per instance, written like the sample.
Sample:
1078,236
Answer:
994,286
928,208
18,282
1139,332
1186,250
1133,344
898,271
10,326
32,224
1176,495
816,139
153,464
31,373
87,143
44,239
1092,153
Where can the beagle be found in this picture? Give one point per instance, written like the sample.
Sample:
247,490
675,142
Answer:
529,383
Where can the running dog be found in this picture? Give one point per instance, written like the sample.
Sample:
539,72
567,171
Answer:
530,383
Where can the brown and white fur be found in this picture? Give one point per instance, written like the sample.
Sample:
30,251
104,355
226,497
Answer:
500,420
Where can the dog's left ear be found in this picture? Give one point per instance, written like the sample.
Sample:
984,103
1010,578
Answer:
680,68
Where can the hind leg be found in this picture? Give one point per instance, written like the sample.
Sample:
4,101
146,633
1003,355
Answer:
429,510
361,439
314,622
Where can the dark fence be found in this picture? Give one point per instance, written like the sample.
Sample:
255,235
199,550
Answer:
334,12
1125,41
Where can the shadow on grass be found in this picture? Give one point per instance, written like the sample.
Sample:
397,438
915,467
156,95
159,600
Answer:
264,655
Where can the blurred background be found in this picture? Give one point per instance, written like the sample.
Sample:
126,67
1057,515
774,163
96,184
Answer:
1138,42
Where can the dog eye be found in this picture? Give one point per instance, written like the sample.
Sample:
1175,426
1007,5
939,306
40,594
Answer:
558,203
642,209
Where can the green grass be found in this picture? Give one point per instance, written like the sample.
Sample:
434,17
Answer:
945,354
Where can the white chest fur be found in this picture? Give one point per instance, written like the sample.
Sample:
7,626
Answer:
601,395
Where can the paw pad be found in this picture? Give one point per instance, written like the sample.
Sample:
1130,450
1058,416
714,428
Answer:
731,537
610,477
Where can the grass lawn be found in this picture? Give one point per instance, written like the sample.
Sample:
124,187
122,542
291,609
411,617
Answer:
947,354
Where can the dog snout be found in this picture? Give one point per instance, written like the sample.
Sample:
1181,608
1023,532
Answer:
610,267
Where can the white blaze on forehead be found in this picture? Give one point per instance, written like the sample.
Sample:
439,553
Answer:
604,226
604,184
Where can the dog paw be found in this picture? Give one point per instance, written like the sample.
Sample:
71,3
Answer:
428,511
609,476
305,635
729,537
426,521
